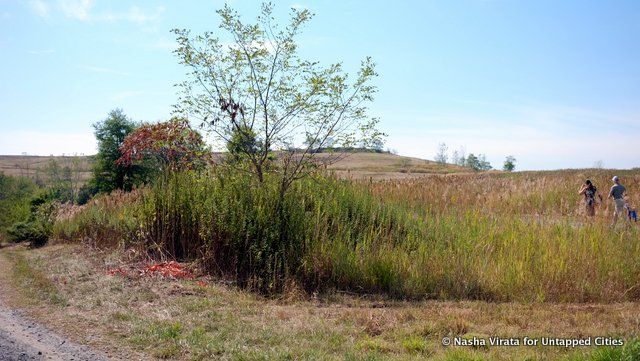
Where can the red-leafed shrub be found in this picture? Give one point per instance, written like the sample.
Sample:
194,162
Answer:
174,144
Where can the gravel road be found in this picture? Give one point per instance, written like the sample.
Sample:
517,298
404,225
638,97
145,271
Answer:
23,339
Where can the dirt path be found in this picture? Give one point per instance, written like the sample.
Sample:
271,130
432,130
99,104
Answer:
23,339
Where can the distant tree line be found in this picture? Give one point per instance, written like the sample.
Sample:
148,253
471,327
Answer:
475,162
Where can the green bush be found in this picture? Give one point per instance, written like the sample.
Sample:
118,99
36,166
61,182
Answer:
32,231
87,191
323,233
41,217
315,235
106,221
15,195
236,226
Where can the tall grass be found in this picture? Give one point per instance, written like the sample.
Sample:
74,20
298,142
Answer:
15,196
493,237
106,221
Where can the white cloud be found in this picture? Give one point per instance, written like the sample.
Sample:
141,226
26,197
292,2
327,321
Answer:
98,69
137,15
40,8
76,9
41,52
126,94
84,10
134,14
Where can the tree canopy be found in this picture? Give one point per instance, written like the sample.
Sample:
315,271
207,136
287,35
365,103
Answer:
509,164
478,163
107,174
173,144
259,89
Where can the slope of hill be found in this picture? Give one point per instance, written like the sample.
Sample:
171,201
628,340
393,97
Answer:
358,165
37,167
389,166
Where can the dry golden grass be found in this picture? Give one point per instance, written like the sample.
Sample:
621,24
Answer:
181,320
493,237
35,167
380,166
545,194
360,165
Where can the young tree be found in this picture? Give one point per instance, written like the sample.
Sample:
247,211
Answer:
462,157
173,144
483,163
472,162
110,134
509,164
60,183
455,158
599,164
259,85
241,141
441,156
377,145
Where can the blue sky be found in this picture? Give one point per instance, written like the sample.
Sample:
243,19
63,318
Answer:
554,83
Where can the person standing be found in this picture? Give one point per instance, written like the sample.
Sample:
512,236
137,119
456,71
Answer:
617,193
589,191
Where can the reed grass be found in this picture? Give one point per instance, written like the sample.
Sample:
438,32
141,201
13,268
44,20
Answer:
499,237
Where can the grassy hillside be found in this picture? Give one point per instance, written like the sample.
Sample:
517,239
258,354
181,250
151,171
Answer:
491,236
389,166
502,254
35,167
360,270
361,165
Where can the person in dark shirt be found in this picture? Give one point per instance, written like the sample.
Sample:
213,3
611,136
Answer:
589,191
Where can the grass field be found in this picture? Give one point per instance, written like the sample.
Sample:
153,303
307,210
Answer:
495,237
360,165
371,269
35,167
153,318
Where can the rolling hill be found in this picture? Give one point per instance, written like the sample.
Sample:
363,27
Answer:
359,165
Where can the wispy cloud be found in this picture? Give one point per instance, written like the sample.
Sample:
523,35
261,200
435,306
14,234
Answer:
98,69
40,8
165,44
137,15
41,52
126,94
76,9
84,10
134,14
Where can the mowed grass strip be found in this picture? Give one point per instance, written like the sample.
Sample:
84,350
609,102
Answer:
183,320
31,281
